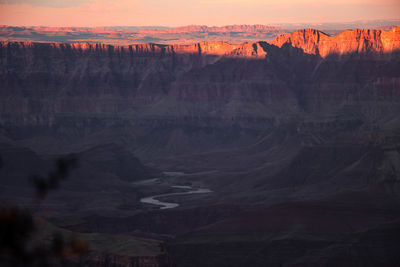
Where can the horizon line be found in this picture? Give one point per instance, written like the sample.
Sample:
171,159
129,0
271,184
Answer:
221,25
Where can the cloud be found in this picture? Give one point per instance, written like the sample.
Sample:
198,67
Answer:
46,3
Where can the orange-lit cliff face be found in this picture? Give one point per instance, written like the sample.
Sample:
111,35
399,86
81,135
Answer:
310,41
244,50
247,50
351,41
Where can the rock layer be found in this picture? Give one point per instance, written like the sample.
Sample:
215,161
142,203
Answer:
185,97
348,42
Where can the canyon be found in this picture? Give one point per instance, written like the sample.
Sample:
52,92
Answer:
126,35
298,139
249,88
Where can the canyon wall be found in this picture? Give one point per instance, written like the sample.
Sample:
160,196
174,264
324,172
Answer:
171,93
348,42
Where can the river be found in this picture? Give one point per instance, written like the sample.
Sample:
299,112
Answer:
169,205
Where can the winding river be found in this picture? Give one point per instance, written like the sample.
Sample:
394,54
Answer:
169,205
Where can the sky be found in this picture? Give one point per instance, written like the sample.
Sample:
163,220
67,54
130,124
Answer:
92,13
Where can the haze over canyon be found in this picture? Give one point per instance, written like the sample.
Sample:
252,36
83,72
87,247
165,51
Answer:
125,35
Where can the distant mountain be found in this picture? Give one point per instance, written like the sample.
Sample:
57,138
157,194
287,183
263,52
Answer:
130,35
124,35
340,26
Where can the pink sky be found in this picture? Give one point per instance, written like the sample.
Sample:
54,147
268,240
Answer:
184,12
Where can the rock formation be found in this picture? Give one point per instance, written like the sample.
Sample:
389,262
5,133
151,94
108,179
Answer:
207,85
348,42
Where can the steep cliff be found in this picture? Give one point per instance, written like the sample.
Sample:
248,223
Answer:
185,97
348,42
98,78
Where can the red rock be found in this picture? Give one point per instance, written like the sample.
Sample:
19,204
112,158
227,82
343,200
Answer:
351,41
